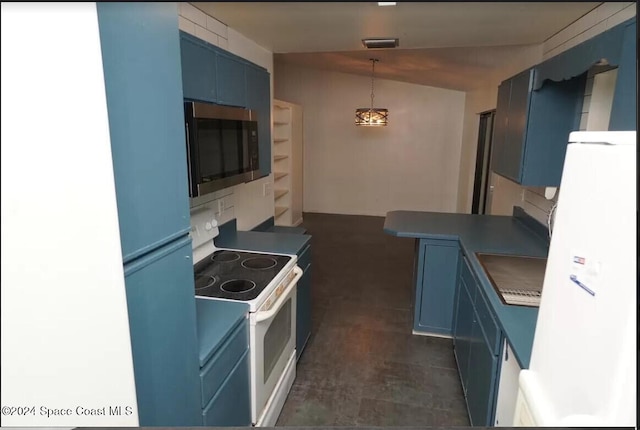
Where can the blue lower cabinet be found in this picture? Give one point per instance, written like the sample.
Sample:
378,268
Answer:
436,280
231,405
477,342
483,368
303,301
303,311
162,324
463,333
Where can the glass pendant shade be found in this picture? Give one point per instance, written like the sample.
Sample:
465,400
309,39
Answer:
372,116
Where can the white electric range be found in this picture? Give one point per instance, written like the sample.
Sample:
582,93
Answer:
267,283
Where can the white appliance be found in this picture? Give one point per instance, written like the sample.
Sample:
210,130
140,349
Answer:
271,296
583,364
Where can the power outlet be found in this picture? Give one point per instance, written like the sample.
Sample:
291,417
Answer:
266,189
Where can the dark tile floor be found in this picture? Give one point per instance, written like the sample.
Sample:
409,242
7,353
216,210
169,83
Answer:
362,366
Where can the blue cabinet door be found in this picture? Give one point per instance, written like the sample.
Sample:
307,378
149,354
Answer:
483,368
463,333
553,114
624,108
498,152
143,82
231,405
259,100
198,69
516,125
231,81
162,323
532,127
435,294
303,311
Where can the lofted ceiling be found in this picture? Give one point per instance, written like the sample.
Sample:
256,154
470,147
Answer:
442,44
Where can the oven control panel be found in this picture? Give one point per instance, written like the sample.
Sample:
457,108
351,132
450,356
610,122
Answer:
280,289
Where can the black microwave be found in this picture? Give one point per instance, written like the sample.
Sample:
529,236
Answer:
222,146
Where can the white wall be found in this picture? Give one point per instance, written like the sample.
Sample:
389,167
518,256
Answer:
65,330
506,193
248,203
411,164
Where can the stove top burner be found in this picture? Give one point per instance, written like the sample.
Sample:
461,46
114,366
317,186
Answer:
238,285
205,281
225,257
259,263
237,275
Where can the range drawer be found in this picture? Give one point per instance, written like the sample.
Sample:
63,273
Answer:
305,258
488,323
231,405
213,374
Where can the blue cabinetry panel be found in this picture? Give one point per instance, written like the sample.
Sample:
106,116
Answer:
221,364
463,333
518,112
303,311
231,406
625,103
259,99
162,324
477,341
533,126
483,368
198,69
554,113
231,86
435,291
141,61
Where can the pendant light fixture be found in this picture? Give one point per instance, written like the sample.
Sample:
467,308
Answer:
373,117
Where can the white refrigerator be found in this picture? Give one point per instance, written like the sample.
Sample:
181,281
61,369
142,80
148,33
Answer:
583,364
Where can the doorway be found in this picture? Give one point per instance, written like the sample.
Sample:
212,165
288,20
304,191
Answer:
481,189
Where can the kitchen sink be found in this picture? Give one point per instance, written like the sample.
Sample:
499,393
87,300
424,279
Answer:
517,279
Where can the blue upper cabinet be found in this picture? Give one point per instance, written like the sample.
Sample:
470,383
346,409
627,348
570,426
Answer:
533,126
259,99
141,61
231,80
198,69
214,75
623,110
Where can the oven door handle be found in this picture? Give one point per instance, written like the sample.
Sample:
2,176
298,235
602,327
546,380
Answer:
261,316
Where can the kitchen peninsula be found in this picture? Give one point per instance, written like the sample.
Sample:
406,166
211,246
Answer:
455,298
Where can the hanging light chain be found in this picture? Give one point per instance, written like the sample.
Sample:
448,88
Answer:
373,68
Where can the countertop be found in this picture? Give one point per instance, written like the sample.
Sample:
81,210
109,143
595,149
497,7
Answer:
482,233
279,243
216,320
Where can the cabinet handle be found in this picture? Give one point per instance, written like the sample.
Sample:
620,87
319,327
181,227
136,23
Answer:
506,354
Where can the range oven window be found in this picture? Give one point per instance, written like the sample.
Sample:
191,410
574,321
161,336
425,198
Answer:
276,338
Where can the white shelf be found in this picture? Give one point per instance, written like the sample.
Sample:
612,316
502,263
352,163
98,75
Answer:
287,143
279,193
278,175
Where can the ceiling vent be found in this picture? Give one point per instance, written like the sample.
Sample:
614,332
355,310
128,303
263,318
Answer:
380,43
